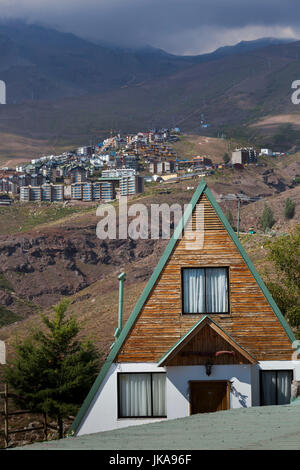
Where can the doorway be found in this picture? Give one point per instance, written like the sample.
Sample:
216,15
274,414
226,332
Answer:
207,397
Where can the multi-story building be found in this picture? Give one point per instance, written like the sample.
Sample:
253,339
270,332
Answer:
160,167
46,192
118,173
131,185
244,155
201,161
25,193
77,174
103,191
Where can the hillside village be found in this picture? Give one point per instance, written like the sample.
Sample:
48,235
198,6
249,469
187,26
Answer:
120,165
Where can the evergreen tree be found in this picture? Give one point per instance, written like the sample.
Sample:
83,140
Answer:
52,371
289,208
267,220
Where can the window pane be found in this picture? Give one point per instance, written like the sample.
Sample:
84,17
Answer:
268,387
216,290
159,394
283,387
135,395
194,290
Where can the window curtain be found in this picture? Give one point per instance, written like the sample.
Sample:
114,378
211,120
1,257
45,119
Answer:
268,387
283,387
159,393
194,290
216,290
276,387
135,395
141,395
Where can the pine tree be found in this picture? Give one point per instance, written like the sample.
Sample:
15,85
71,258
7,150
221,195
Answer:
267,220
52,371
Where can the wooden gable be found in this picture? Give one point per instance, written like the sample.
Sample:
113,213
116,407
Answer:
206,343
252,321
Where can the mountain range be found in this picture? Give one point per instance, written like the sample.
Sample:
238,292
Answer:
65,89
39,63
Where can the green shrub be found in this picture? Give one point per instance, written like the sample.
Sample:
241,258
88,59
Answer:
267,220
289,208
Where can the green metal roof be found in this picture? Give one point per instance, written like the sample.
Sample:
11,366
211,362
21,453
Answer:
255,428
201,189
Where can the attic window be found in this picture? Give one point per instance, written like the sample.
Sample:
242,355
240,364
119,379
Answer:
205,290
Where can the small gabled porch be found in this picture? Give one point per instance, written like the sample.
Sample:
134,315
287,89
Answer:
223,375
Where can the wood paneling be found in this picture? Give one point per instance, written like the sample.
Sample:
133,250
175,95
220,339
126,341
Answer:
207,397
207,345
251,321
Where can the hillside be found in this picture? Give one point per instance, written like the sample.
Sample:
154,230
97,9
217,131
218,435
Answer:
40,63
17,149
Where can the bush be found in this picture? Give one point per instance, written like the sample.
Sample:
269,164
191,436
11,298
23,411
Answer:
226,158
289,208
285,254
267,220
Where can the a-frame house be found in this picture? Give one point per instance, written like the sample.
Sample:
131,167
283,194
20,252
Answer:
205,335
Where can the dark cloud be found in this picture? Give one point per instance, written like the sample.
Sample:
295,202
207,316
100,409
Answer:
178,26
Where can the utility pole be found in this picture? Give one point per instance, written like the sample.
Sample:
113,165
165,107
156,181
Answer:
238,218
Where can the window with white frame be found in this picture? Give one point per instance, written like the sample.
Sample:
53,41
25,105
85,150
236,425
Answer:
205,290
141,395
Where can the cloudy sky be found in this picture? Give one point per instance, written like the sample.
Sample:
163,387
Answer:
177,26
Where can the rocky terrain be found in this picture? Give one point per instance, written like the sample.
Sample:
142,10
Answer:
62,257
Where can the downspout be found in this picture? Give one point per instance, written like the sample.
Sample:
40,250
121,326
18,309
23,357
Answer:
121,278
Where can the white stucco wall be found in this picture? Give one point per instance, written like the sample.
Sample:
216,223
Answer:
177,393
103,412
282,365
245,390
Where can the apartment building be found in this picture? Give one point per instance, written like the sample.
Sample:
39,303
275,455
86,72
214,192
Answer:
103,191
46,192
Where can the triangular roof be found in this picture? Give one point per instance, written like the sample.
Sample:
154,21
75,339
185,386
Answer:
184,340
201,189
